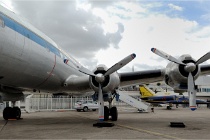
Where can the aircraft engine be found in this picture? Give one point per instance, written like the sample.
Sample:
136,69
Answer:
110,83
184,71
176,75
103,80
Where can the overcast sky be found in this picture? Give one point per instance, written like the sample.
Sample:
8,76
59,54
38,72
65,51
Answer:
104,32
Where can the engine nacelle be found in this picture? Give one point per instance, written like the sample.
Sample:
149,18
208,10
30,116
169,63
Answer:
111,81
176,75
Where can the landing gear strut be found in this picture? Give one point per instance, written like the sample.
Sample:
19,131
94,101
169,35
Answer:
12,112
105,112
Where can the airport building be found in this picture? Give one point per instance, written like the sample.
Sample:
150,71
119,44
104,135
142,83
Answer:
203,83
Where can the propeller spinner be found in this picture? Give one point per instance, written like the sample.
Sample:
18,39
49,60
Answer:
188,67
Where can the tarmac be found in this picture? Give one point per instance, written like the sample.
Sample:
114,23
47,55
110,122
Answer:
131,124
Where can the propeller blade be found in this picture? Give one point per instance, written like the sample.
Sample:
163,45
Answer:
86,71
191,92
101,103
120,64
166,56
203,58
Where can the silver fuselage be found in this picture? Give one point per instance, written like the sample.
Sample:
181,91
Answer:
31,60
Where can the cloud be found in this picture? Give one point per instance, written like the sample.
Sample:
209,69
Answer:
71,25
146,67
173,35
104,32
101,4
206,16
203,32
175,7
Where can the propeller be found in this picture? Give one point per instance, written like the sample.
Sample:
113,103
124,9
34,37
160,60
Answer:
112,69
166,56
188,67
100,78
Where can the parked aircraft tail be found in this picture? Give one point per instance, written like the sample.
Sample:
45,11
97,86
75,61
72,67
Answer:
145,92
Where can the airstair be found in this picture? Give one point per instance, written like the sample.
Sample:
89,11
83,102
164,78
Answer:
132,101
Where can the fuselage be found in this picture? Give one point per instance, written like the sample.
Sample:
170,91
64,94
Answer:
159,99
31,60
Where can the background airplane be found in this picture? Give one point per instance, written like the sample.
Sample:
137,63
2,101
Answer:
31,61
150,97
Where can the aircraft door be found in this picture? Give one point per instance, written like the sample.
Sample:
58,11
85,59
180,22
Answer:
19,40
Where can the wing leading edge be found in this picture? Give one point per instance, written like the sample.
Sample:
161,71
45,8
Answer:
149,76
140,77
205,69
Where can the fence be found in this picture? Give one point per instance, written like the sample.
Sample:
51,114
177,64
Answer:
50,104
60,103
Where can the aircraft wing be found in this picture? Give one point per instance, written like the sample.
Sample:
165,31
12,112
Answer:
140,77
205,69
150,76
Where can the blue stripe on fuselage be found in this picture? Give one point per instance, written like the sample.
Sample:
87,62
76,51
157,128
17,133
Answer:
29,34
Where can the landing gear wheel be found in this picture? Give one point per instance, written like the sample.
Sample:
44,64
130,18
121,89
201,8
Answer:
7,113
16,113
12,113
85,109
106,113
114,113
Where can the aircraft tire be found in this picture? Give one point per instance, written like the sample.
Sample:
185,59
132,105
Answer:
85,109
7,113
106,113
114,113
12,113
16,113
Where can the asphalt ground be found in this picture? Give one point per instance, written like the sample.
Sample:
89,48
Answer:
130,125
